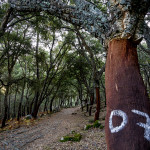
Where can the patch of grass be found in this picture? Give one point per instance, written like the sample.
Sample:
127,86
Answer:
88,126
72,132
76,137
97,124
101,127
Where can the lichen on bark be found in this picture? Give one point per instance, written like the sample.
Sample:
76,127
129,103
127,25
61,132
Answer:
124,18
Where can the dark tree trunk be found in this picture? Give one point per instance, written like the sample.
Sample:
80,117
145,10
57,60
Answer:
87,107
35,111
51,103
77,102
14,108
61,102
81,98
0,105
45,106
104,91
5,107
8,117
31,105
70,101
91,103
97,104
20,103
28,108
128,104
19,112
23,111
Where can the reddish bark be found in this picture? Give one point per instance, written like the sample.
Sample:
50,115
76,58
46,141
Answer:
97,104
91,103
125,91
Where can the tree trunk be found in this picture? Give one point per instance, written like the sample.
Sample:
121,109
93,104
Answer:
104,91
14,107
23,112
45,106
8,116
20,103
0,105
91,103
81,98
128,107
31,105
5,107
28,108
51,105
35,111
97,104
87,107
36,107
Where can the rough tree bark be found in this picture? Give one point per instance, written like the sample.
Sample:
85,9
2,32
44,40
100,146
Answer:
14,107
125,91
5,21
91,102
97,102
20,103
6,107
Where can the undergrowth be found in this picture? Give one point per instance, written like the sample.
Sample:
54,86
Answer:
74,137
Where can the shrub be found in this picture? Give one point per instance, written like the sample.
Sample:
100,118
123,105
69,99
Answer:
75,137
101,126
97,124
88,126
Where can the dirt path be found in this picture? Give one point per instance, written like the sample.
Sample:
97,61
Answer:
46,134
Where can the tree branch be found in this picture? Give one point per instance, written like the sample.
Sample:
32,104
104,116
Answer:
84,14
5,21
124,19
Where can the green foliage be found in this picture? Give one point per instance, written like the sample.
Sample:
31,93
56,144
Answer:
62,69
75,137
72,132
101,126
96,124
88,126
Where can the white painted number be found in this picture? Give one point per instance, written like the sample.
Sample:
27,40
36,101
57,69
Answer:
123,124
146,126
122,114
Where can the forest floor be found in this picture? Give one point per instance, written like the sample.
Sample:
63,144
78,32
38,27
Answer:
46,134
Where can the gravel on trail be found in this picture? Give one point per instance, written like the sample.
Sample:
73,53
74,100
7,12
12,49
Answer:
46,134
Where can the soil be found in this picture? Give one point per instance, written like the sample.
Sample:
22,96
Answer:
47,133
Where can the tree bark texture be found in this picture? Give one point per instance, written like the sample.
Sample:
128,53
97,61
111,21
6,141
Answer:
35,110
97,104
20,103
127,128
91,102
6,107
